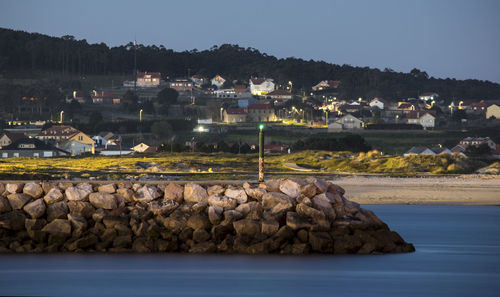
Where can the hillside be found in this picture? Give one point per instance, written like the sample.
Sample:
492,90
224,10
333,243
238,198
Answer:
25,54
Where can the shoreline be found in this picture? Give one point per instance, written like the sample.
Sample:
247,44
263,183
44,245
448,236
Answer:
460,190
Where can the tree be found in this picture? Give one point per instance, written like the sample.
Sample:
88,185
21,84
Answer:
161,130
167,96
95,118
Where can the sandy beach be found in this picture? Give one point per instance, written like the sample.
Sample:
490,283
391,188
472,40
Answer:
461,190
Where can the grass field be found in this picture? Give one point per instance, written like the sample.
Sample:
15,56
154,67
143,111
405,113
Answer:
230,166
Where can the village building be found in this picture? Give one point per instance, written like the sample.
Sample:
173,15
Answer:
32,148
419,151
279,95
326,84
144,148
9,137
261,86
105,98
347,122
260,113
148,79
235,115
379,103
218,81
493,111
425,118
199,80
68,138
181,85
477,141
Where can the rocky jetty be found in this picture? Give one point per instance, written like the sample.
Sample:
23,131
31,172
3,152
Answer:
289,216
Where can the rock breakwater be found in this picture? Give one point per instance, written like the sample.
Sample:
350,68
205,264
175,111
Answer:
289,216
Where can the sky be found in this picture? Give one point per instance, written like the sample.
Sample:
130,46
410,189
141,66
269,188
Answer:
446,38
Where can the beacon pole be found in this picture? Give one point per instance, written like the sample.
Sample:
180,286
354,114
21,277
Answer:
261,153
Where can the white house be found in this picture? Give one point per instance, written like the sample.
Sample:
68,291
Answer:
218,81
425,118
429,96
261,86
326,84
347,122
378,102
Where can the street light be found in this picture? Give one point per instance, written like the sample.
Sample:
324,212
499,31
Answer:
61,116
221,110
140,115
261,152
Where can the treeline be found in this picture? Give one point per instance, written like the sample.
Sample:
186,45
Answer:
35,53
352,142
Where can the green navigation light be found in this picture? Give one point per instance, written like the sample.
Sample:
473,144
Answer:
261,126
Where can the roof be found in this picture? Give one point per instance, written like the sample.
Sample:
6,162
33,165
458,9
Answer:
405,105
198,76
380,99
153,74
416,150
14,136
439,150
279,93
329,83
151,149
417,114
480,139
258,81
59,130
235,111
240,88
38,145
103,95
259,106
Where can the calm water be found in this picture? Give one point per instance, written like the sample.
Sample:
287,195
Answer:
458,254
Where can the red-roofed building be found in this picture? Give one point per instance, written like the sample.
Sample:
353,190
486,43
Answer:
326,84
235,115
260,113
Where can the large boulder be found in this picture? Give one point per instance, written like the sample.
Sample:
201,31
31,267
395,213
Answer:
4,205
290,188
323,204
102,200
81,208
18,200
296,221
33,189
216,190
174,192
125,194
54,195
13,220
108,188
239,194
255,193
35,209
58,227
225,202
195,193
13,188
247,227
215,214
198,221
146,194
58,210
80,192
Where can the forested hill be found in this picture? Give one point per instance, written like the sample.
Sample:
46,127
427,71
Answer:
24,53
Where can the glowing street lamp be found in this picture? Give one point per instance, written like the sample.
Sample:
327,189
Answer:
140,115
221,110
61,116
261,152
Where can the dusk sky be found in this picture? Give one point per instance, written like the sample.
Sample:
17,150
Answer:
446,38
